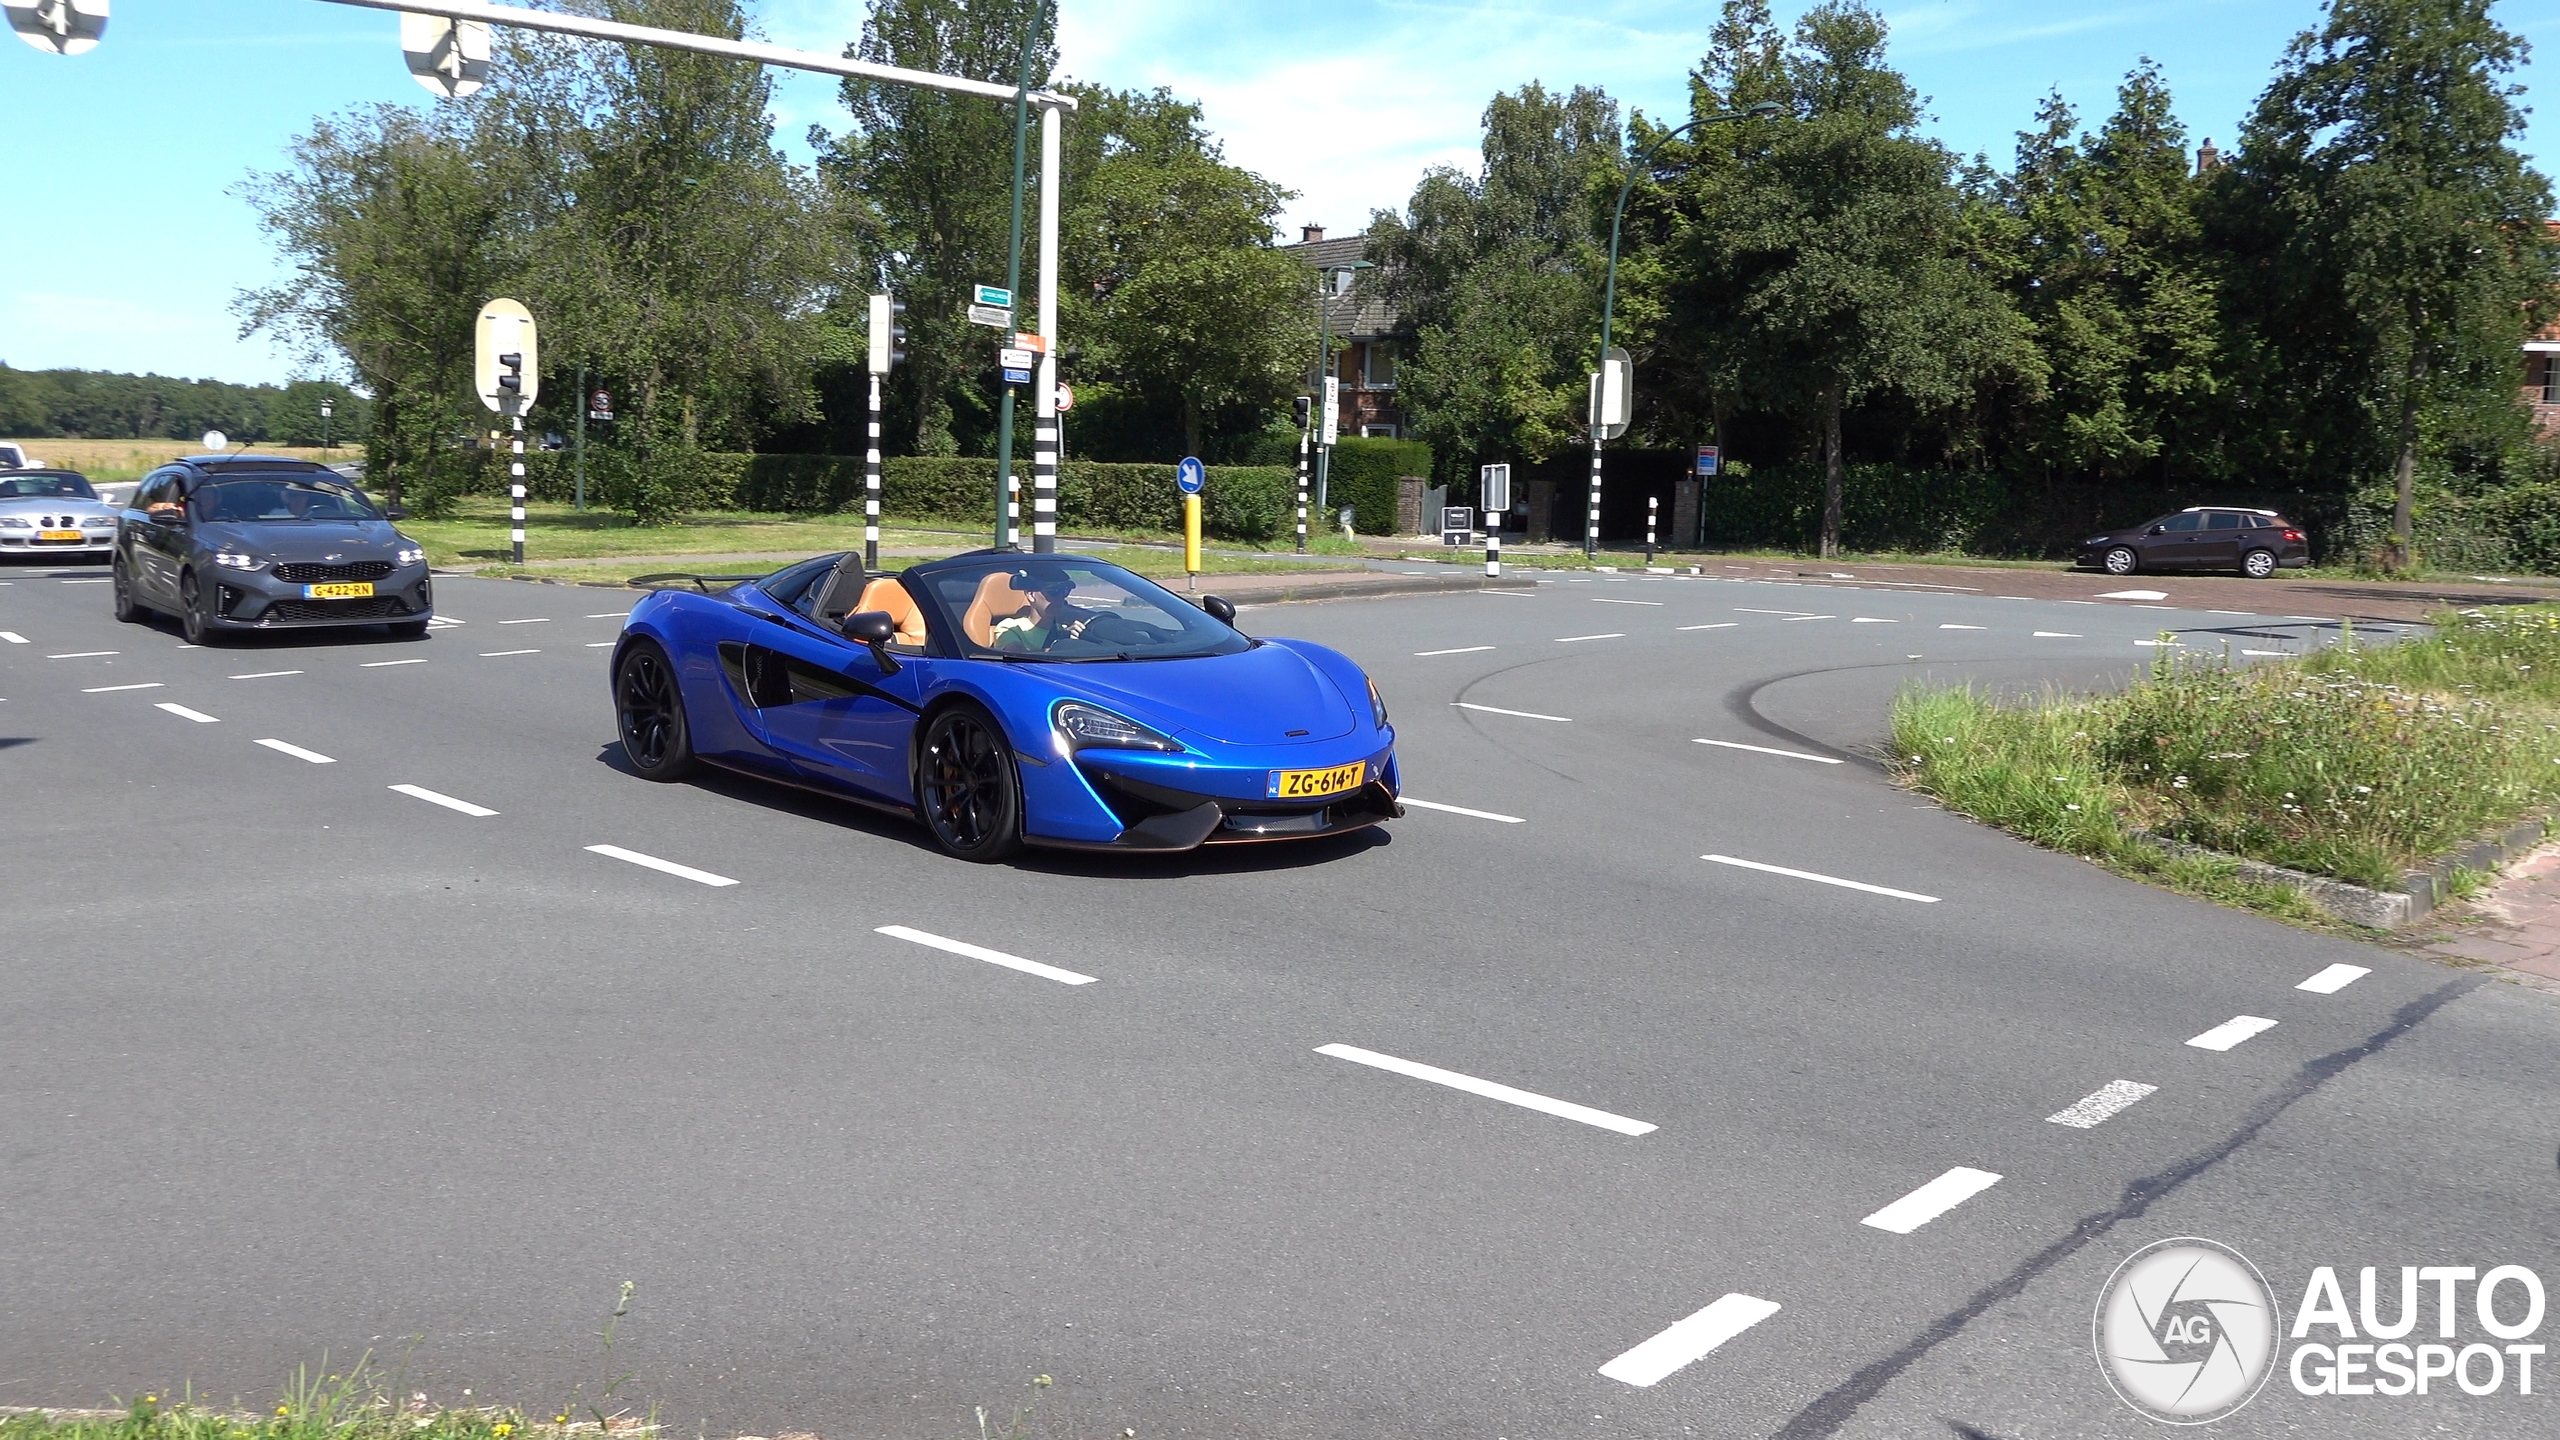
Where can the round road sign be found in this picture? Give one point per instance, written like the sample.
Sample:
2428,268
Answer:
1066,399
1190,475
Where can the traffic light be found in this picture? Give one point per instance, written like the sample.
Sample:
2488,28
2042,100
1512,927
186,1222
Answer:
1305,405
888,337
511,373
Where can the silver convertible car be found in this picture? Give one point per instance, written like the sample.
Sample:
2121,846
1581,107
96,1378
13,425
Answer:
53,512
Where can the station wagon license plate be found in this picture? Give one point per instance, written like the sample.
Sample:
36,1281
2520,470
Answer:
1313,784
347,590
71,535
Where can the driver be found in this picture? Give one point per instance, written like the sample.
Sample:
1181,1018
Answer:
1049,617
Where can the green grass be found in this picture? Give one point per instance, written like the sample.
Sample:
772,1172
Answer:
2359,763
1164,566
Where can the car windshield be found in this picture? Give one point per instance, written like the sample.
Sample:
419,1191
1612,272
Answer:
1064,608
275,498
48,487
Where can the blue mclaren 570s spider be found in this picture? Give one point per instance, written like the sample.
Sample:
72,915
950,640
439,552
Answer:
1006,699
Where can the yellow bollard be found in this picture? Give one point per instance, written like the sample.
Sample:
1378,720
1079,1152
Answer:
1191,534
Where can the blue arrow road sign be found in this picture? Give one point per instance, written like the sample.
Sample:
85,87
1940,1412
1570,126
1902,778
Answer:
1190,475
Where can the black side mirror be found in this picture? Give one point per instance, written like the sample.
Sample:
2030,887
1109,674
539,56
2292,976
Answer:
2158,530
396,512
1218,606
875,629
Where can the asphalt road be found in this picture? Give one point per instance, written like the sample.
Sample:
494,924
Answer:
297,1060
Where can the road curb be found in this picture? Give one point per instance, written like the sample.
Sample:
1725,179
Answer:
1351,589
2419,892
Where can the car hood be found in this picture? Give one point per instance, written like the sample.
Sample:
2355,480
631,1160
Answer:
327,541
23,505
1253,697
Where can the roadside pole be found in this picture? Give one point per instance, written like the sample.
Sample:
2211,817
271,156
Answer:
1306,417
507,371
1493,488
1044,386
871,486
1191,475
516,470
579,461
1651,505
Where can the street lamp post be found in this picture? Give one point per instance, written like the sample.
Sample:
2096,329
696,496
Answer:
328,434
1325,281
1609,292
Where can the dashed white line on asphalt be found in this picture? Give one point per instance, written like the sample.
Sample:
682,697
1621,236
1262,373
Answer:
2161,644
2334,979
2151,607
13,637
611,615
1462,810
1522,714
2231,612
1960,627
1689,1340
2232,1031
2135,595
2054,635
111,689
1612,635
1871,620
1765,750
2269,653
420,792
267,675
600,644
1719,625
663,867
83,654
183,713
1461,650
1823,879
1613,600
378,664
980,952
1799,614
298,753
1793,618
1932,1200
2101,1104
536,620
494,654
1522,594
1527,1100
85,582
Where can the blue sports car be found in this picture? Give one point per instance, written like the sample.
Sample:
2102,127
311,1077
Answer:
1008,699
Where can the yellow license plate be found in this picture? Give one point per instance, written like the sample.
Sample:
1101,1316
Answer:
1311,784
57,534
349,590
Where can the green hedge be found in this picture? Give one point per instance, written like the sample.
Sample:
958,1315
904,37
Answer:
1241,502
1363,476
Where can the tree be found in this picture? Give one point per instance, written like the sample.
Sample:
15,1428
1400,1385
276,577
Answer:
1828,264
2381,152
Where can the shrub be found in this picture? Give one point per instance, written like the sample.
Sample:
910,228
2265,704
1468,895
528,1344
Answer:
1363,475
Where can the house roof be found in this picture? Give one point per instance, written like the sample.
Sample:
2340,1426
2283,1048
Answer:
1364,313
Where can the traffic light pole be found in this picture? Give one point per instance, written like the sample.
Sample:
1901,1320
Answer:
516,473
1304,431
871,486
1044,390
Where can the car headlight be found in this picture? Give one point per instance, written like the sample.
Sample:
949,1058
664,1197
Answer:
12,522
1377,703
2097,540
1083,726
99,522
410,556
229,561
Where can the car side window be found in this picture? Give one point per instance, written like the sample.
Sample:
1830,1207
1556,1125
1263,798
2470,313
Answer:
2181,524
2223,520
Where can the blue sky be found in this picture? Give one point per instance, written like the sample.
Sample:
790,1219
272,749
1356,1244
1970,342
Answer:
127,244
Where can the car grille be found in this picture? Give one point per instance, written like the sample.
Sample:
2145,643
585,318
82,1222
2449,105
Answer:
380,607
315,574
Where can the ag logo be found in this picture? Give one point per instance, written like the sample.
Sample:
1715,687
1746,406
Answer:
2186,1331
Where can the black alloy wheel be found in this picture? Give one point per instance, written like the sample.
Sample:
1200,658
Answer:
649,707
194,611
2258,564
2120,560
967,787
128,610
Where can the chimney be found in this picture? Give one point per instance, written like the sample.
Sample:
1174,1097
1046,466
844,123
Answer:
1310,234
2207,158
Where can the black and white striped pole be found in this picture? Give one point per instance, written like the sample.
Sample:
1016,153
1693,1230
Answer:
1493,488
507,371
1306,427
1652,504
888,347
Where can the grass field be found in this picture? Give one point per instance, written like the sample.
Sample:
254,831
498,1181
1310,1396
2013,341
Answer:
105,460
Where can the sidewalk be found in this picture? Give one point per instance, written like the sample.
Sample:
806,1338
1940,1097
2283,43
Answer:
2514,924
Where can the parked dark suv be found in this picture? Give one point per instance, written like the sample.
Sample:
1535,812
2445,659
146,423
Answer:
252,542
2254,542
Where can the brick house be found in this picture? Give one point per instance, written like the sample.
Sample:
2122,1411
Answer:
2542,380
1364,318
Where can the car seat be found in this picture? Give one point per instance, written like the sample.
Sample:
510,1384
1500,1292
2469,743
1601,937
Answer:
890,598
997,599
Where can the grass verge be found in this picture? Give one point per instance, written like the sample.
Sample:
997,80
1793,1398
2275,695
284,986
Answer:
1156,564
2358,762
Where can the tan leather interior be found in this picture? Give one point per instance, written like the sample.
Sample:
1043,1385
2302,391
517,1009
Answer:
889,597
996,600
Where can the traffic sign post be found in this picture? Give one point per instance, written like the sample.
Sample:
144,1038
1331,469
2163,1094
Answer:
59,27
508,372
991,315
888,348
1191,475
1612,400
1651,504
1710,460
1493,489
1305,406
449,57
995,295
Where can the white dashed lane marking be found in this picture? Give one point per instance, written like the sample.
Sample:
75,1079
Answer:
537,620
1461,650
1462,810
378,664
2101,1104
83,654
85,582
2232,1031
1960,627
1490,1090
1823,879
1570,639
13,637
1613,600
2334,979
600,644
2054,635
1765,750
1719,625
612,615
1871,620
297,752
980,952
111,689
420,792
494,654
1932,1200
1522,714
1689,1340
267,675
663,867
183,713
